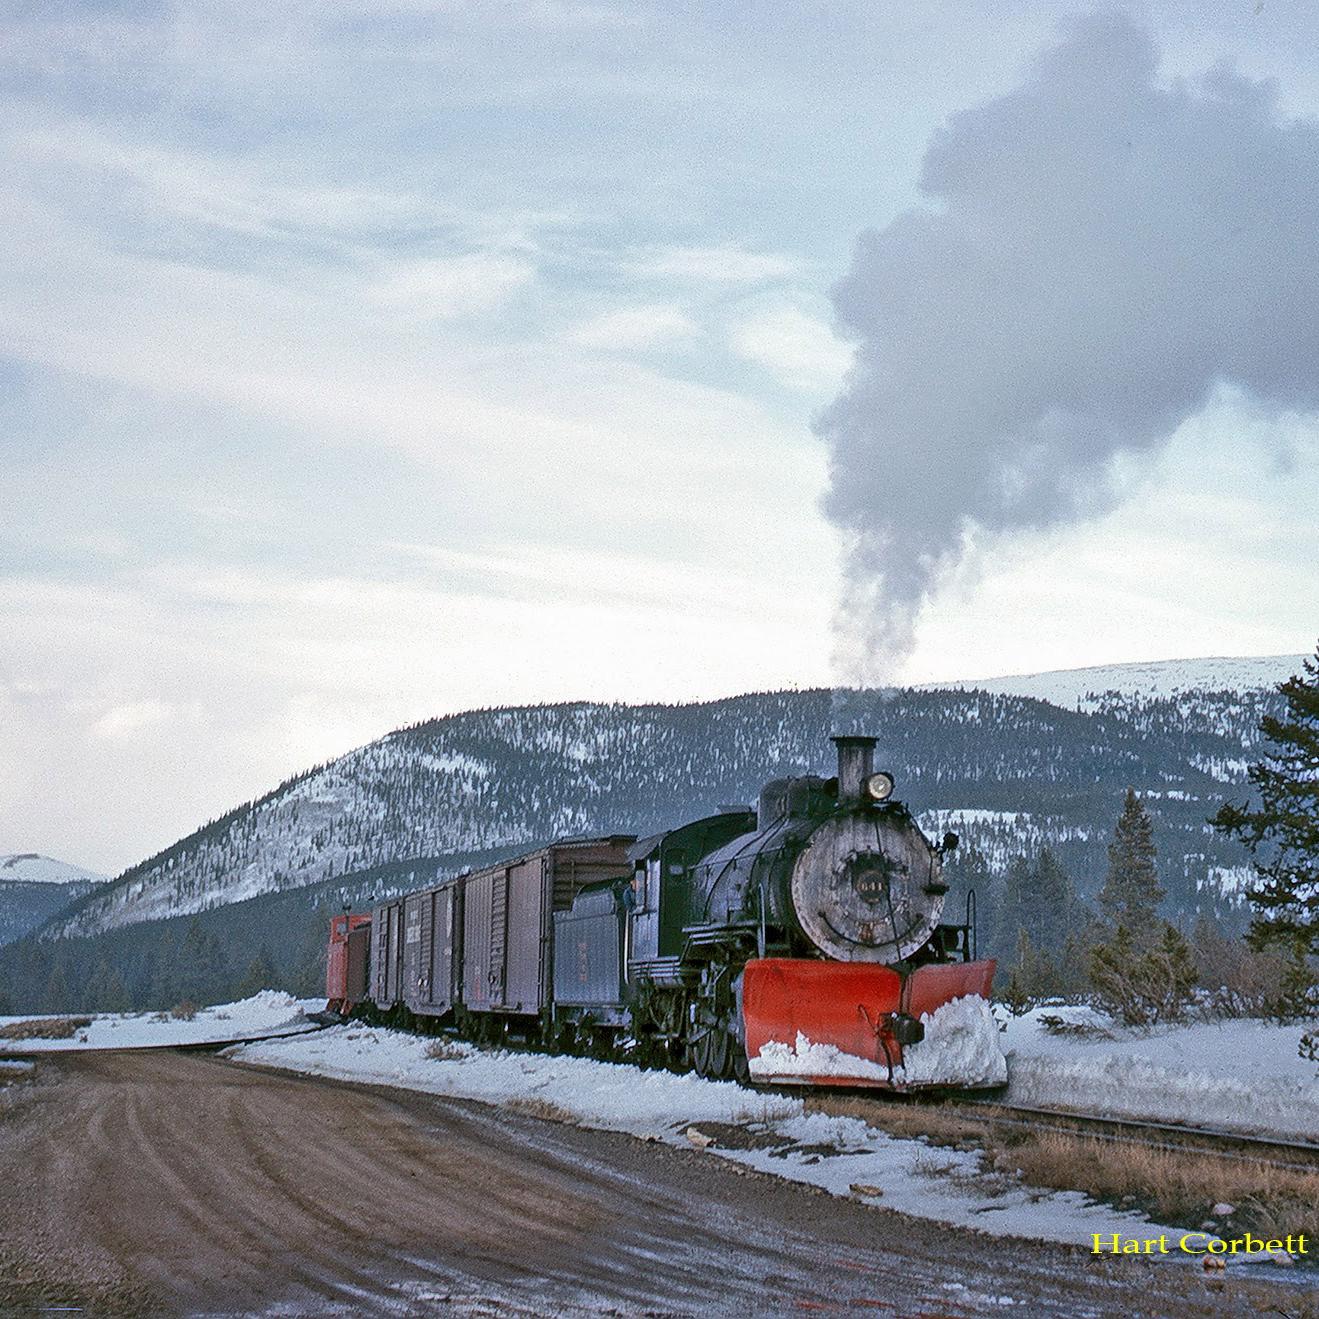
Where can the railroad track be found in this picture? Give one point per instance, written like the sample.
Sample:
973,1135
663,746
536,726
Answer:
20,1051
1298,1155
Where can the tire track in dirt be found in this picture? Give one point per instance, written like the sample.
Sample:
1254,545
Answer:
202,1187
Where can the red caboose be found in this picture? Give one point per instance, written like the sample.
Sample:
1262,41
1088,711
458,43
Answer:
348,962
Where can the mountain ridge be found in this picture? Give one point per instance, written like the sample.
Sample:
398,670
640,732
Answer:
1011,770
33,888
33,868
1068,687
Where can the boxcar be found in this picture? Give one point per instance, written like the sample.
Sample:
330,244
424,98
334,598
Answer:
508,920
432,931
387,953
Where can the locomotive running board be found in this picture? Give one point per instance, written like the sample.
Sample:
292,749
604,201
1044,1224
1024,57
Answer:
831,1023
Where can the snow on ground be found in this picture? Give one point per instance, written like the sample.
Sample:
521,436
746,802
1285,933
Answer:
1242,1075
835,1153
269,1012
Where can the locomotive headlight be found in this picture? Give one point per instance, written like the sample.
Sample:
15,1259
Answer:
879,787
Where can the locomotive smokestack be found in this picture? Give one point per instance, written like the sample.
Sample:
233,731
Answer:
856,763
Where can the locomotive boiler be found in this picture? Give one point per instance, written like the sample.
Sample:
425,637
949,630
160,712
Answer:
799,942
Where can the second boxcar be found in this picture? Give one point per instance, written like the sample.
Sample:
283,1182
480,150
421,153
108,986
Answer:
508,921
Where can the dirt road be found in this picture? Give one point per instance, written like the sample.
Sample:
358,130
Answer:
180,1183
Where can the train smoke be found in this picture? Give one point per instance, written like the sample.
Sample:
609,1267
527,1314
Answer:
1099,252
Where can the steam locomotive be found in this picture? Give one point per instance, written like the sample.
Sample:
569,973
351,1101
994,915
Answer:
797,943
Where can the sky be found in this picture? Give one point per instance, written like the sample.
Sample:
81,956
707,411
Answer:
361,363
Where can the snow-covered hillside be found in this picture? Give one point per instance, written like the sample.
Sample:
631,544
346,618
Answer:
1156,679
34,888
30,868
1007,771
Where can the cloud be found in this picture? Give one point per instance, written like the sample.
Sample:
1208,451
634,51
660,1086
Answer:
1098,252
798,348
440,288
170,711
123,721
731,265
628,328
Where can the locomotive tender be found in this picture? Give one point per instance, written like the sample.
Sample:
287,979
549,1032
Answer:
800,942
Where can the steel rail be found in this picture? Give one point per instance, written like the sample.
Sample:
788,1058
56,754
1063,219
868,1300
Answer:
1136,1131
19,1054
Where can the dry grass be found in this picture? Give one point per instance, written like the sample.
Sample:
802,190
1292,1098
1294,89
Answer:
541,1108
943,1124
766,1111
184,1011
47,1028
1178,1187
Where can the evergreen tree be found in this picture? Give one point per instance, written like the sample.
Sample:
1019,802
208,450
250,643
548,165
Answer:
1037,898
56,997
308,974
1073,982
97,987
203,967
1131,892
260,974
1059,914
116,993
165,982
1143,971
1282,831
1013,910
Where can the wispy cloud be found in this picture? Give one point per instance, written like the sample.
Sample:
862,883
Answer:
443,287
626,328
796,347
123,721
718,265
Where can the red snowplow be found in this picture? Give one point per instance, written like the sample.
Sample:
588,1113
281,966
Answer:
850,1023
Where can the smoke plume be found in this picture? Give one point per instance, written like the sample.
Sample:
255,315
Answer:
1100,251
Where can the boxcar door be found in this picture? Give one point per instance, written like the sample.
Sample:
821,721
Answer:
441,949
396,952
499,921
359,971
410,989
528,904
476,941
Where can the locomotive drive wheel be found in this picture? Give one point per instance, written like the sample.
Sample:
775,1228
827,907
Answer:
740,1066
710,1054
718,1055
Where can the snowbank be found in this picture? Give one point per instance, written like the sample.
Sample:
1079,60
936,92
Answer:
1241,1075
269,1012
834,1153
961,1047
610,1096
